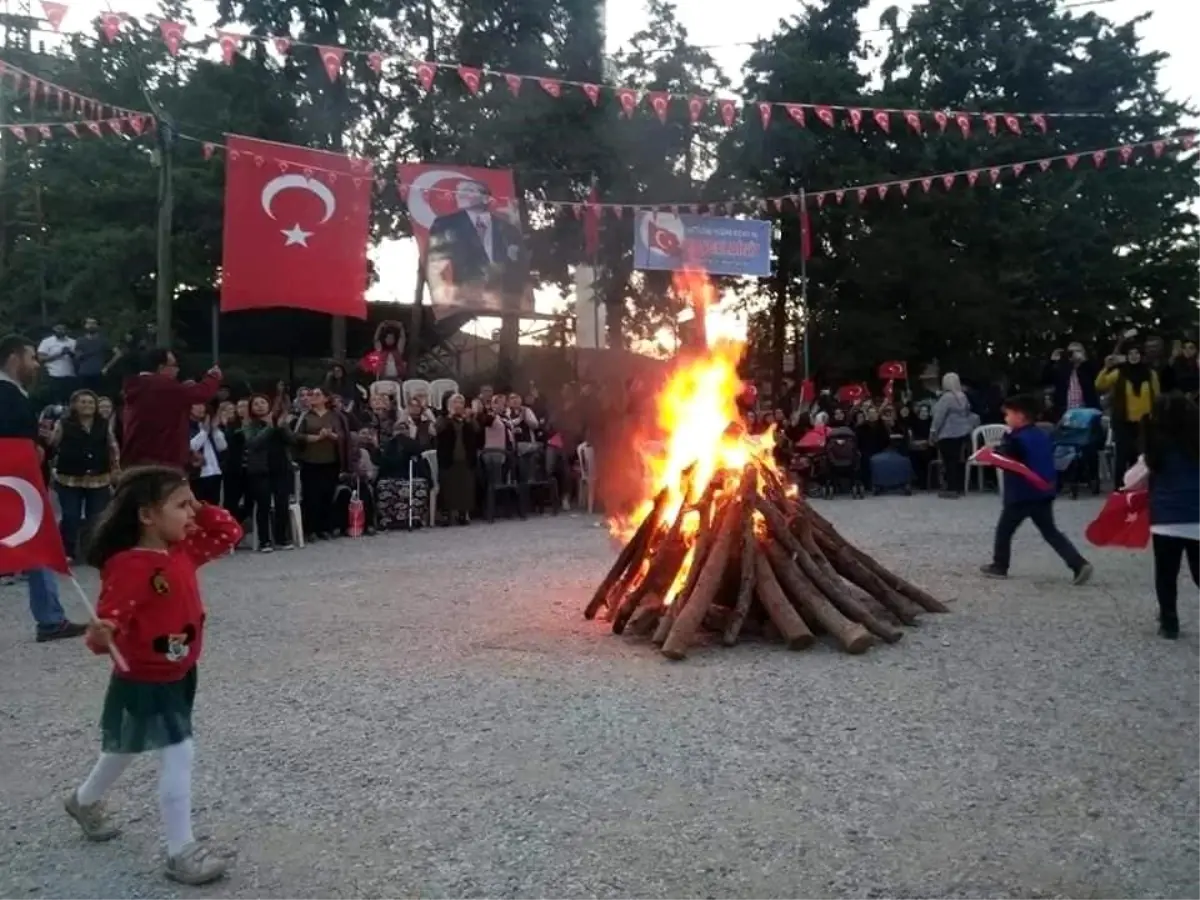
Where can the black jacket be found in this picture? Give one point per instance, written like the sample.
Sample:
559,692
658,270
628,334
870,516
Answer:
1058,376
265,449
18,418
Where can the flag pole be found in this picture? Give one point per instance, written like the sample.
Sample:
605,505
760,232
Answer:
91,611
804,277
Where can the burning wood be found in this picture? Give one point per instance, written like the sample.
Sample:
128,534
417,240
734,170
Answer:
756,557
723,546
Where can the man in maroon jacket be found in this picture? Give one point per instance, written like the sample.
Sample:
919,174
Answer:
157,404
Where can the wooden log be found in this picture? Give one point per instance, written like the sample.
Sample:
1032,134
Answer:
852,570
664,564
923,599
645,618
795,634
826,579
665,558
630,555
878,610
749,553
852,637
700,549
717,618
708,582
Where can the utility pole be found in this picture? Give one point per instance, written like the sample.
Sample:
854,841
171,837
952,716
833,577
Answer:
163,280
416,319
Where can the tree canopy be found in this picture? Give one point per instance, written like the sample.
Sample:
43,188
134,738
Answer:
984,279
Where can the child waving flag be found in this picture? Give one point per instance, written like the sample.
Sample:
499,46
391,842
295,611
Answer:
148,544
1030,494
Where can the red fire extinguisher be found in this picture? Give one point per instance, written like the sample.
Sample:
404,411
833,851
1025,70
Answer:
357,516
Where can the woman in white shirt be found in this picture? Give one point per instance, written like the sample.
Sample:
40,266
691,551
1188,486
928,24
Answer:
207,444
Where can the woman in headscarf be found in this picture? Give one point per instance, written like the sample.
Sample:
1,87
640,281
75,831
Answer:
1134,387
951,430
458,443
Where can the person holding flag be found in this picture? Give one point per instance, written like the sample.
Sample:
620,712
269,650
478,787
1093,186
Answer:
1030,481
31,543
148,544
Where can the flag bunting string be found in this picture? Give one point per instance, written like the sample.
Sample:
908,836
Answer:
730,109
62,99
125,126
1124,154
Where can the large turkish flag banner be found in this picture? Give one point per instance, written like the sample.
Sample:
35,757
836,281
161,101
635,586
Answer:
29,537
296,228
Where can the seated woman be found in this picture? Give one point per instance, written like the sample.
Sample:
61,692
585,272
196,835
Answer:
873,437
889,468
402,489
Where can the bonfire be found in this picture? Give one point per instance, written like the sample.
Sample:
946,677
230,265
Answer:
722,544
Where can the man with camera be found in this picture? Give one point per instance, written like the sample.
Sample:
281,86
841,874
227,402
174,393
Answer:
1072,376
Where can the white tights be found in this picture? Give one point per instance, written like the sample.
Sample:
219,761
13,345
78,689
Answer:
174,788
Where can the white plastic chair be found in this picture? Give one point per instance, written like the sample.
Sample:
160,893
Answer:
587,474
391,388
297,521
440,389
415,386
430,457
1107,454
984,436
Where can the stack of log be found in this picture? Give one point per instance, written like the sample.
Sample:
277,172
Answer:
745,557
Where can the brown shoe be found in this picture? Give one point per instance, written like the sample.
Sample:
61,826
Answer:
196,864
64,629
92,819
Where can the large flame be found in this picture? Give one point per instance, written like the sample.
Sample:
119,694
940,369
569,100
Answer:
701,429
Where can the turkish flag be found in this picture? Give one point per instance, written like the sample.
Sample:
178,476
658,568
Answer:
29,537
1123,522
296,229
663,240
893,369
851,394
986,456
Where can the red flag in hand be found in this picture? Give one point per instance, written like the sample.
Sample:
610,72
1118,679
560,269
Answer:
893,370
29,537
296,229
1123,522
986,456
851,394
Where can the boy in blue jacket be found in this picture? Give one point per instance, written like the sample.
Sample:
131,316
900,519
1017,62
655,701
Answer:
1029,445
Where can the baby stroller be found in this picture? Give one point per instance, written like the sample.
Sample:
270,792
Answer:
1078,440
842,463
807,465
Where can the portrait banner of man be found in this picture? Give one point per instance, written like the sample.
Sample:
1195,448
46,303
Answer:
468,226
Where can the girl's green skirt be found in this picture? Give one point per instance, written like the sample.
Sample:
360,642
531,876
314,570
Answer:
146,715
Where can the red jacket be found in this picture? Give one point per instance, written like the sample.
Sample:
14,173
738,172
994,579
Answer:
152,598
155,423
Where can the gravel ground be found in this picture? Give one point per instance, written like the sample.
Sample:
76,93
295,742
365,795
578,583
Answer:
429,715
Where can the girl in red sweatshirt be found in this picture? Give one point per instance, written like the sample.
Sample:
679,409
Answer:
148,544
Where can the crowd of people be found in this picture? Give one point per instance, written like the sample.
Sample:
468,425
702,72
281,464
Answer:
933,428
325,447
198,461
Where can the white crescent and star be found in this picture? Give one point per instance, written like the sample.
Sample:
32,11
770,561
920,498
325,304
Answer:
297,235
33,507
